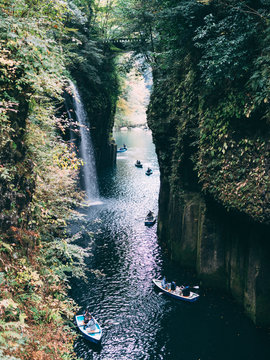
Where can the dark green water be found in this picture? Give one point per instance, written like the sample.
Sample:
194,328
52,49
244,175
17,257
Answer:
139,322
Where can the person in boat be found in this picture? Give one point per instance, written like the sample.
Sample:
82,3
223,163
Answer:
186,291
138,162
86,317
150,214
163,282
124,146
173,286
90,325
148,170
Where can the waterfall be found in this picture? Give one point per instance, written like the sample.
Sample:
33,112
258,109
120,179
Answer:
86,148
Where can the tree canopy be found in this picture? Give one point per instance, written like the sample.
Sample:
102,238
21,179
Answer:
209,107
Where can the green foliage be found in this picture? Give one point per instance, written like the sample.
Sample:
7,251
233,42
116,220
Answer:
260,79
212,73
64,258
38,173
225,43
41,43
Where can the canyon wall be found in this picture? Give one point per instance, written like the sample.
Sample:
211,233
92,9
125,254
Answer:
227,250
227,245
209,113
99,98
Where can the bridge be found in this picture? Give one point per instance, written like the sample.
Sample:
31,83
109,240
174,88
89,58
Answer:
123,43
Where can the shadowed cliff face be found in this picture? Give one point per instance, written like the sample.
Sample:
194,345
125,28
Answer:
227,244
99,98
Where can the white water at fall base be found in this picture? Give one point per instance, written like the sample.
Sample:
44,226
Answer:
86,149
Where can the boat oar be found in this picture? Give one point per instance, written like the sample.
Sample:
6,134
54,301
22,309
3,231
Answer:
93,332
192,287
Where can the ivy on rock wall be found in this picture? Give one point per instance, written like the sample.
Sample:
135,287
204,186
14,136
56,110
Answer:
213,75
92,63
234,131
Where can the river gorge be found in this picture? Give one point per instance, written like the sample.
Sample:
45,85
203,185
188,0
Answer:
185,84
124,256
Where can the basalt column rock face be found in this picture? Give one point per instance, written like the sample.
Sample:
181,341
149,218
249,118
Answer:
233,253
229,249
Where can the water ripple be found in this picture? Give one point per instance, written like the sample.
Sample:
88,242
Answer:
139,322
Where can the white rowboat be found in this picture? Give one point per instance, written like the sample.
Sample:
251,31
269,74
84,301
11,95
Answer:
177,293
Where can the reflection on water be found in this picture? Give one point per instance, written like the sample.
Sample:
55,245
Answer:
138,321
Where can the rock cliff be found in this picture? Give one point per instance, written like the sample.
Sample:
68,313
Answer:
214,196
100,104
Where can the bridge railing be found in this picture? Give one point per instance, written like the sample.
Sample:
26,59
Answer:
121,40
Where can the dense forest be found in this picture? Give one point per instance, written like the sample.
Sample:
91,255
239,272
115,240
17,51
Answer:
209,112
217,91
43,45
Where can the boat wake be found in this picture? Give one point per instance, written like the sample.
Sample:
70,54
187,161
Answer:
111,322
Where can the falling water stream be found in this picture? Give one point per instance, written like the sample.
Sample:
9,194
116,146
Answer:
86,148
139,322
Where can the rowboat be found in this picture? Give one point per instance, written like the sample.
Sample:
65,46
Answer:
94,335
149,220
177,293
149,172
121,150
138,165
